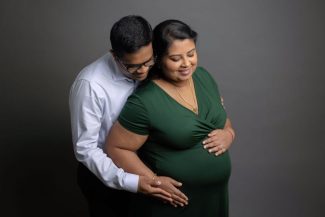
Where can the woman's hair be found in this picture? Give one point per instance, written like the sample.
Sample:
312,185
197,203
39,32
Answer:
164,34
129,34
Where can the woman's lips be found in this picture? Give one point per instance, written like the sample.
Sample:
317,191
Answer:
185,72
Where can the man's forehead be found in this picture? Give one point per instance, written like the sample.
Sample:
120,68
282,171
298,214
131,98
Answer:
142,55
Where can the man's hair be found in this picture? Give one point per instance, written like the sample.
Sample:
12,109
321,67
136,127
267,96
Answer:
129,34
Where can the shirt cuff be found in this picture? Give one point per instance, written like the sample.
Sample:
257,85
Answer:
131,182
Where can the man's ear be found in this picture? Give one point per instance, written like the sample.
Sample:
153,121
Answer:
112,52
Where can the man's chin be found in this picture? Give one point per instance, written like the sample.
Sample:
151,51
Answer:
140,77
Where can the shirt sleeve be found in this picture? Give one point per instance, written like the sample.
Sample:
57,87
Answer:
86,115
134,116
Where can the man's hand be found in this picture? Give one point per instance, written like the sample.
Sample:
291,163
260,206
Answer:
163,188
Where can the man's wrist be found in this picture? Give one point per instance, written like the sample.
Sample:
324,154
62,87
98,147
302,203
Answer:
131,182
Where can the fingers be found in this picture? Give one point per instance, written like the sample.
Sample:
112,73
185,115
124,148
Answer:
180,195
171,186
217,149
220,151
211,143
149,186
160,192
217,142
212,138
180,199
173,200
163,188
176,203
176,191
213,133
163,197
175,183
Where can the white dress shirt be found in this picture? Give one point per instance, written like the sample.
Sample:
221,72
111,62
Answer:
96,99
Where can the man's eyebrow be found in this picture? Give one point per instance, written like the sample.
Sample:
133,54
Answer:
139,63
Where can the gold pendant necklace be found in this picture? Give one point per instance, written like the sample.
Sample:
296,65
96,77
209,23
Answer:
193,108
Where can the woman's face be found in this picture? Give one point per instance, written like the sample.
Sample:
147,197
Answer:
180,61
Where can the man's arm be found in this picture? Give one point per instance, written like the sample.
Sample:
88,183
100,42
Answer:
86,116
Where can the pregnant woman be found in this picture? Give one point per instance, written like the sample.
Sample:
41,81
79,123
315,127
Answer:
175,125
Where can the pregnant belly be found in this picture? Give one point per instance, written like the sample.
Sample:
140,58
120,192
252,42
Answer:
194,166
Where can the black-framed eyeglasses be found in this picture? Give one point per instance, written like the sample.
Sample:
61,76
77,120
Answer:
133,68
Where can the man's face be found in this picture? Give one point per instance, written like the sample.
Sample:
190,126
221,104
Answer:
136,65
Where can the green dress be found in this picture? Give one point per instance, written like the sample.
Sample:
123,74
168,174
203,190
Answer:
174,147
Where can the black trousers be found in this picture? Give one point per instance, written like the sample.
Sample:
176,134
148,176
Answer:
102,200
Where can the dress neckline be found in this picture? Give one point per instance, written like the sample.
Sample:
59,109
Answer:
179,104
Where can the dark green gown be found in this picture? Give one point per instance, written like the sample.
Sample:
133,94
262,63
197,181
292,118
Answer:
174,147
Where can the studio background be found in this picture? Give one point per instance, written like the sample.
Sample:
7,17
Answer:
268,58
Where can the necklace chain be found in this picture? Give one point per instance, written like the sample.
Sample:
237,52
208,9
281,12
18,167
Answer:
193,108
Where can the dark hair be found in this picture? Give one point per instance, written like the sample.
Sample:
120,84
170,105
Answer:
129,34
166,32
163,36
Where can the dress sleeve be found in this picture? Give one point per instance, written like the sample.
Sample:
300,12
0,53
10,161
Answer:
134,116
210,81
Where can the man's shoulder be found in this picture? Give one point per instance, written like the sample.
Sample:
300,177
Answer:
94,77
96,70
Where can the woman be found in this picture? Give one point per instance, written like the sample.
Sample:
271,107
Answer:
170,122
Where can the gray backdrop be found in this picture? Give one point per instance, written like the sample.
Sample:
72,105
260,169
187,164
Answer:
268,57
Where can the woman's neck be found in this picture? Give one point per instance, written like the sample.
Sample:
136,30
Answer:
178,84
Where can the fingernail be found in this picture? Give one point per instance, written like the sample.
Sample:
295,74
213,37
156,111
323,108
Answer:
203,142
205,146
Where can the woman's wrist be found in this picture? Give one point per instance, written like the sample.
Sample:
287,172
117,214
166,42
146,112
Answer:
231,132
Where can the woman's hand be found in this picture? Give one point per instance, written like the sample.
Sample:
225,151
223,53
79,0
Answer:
172,187
163,188
150,186
219,141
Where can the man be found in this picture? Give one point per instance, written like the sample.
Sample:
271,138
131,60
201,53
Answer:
96,99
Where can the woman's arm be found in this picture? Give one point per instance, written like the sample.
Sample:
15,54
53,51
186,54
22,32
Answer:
121,146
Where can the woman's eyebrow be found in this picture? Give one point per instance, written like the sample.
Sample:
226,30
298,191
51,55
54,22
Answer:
181,54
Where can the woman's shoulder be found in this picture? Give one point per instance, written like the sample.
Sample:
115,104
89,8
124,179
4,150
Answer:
144,90
202,74
205,78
